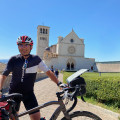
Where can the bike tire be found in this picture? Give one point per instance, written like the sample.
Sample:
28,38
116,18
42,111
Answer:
83,115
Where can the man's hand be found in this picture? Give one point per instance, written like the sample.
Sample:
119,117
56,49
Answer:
61,85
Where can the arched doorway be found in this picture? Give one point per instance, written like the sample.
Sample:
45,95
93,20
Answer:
70,65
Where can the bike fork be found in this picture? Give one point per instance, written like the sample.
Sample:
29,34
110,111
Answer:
66,114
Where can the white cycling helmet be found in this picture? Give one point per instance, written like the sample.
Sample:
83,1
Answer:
24,39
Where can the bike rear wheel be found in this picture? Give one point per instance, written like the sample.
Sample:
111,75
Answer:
83,115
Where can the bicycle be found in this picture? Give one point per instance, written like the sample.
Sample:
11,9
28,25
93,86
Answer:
69,93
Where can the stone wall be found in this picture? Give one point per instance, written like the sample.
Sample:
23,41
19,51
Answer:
108,67
61,62
2,67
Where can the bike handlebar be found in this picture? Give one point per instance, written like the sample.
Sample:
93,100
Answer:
72,92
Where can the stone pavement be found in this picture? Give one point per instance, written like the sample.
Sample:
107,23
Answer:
45,90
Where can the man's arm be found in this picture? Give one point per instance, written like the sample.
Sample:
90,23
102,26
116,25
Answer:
42,66
51,75
2,79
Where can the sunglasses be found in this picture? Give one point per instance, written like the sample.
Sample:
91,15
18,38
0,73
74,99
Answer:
21,45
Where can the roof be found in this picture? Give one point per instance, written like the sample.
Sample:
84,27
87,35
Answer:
109,62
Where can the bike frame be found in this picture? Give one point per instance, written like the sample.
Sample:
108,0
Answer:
55,115
59,102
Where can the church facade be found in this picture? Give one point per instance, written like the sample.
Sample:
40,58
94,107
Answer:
66,54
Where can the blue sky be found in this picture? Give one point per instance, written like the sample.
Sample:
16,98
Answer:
97,21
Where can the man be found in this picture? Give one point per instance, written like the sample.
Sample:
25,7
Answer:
52,69
24,69
56,73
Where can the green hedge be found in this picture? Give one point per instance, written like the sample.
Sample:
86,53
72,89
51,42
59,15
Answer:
104,88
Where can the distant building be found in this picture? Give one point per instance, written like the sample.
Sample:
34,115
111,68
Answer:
67,54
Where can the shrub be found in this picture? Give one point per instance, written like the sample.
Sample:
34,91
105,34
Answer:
105,89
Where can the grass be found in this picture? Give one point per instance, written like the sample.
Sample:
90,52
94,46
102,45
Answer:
93,75
94,102
109,76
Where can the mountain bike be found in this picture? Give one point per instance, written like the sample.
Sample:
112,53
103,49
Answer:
70,92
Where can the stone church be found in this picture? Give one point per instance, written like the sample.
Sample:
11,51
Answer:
67,53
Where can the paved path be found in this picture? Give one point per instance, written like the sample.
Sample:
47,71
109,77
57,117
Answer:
45,91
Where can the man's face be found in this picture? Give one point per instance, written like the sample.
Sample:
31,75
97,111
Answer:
24,48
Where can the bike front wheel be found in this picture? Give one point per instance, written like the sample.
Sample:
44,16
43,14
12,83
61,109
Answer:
83,115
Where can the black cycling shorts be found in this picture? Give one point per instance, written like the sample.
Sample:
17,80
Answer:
29,101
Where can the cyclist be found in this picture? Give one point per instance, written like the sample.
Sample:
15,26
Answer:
24,68
56,73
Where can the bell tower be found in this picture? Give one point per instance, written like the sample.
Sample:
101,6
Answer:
42,39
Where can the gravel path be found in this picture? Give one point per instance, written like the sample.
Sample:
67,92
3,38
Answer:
45,91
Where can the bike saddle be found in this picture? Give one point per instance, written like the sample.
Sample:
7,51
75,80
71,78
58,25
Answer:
11,96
